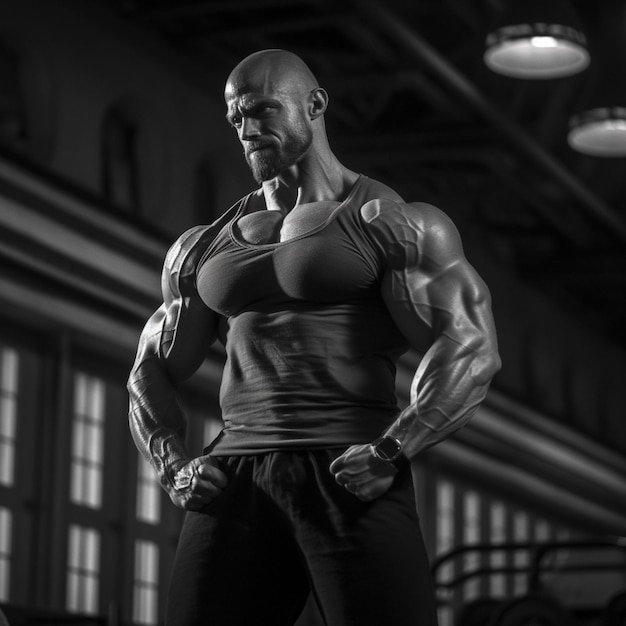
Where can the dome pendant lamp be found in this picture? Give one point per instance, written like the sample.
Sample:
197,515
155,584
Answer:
599,132
537,39
598,128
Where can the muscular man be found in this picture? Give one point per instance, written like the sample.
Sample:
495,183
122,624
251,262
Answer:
315,284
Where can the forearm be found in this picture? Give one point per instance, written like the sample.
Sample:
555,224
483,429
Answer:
156,420
449,386
171,348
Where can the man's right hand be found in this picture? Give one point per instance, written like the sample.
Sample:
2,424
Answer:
206,482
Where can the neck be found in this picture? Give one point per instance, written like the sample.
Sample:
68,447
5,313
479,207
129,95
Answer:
313,179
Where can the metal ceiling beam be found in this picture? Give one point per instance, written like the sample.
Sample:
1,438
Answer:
289,25
204,8
413,44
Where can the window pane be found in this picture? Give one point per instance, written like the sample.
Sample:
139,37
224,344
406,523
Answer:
498,559
73,591
445,525
91,555
148,493
9,368
80,393
445,616
95,399
90,598
120,171
471,535
93,487
445,528
521,532
6,523
78,439
145,594
13,119
542,531
94,443
7,462
88,441
10,362
445,516
83,570
8,410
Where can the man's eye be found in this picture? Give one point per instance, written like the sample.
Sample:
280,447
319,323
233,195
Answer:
236,121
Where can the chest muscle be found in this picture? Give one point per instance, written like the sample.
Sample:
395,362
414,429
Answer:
265,226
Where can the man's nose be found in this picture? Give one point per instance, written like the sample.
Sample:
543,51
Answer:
250,129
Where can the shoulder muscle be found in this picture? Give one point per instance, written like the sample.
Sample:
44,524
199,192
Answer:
413,235
181,260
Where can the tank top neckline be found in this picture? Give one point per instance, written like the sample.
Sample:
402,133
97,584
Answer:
242,211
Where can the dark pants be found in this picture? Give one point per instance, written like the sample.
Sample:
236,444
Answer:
283,527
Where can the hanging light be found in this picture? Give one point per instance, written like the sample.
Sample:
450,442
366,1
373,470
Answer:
598,128
537,40
599,132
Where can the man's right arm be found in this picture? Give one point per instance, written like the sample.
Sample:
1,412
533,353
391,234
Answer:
171,348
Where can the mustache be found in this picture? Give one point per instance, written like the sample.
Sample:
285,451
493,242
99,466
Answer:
253,146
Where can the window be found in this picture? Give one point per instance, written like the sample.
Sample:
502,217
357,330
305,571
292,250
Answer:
87,441
148,493
543,531
146,584
120,162
471,535
445,539
6,522
445,516
13,127
9,363
498,532
466,518
133,160
206,199
83,567
521,534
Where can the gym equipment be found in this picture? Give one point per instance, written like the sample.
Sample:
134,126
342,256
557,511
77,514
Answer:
478,612
531,610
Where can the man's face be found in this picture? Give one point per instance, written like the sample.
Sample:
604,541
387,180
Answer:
272,128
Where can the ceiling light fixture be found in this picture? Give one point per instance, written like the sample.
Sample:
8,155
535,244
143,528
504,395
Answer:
536,51
599,132
598,127
537,39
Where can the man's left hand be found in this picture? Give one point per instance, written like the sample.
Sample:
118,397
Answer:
360,472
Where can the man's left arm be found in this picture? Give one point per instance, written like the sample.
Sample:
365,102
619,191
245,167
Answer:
443,308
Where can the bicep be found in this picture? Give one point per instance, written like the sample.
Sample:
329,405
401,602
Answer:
430,288
177,336
189,328
175,340
454,303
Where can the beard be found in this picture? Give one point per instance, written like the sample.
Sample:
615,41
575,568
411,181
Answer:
270,160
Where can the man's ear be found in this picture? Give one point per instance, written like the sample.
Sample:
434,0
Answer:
318,103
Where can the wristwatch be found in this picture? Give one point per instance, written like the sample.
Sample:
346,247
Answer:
183,477
389,449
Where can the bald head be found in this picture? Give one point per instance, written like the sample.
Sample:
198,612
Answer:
267,71
275,104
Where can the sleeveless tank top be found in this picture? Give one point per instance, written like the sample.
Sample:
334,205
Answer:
310,346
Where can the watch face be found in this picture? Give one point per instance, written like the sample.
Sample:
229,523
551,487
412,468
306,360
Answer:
388,448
